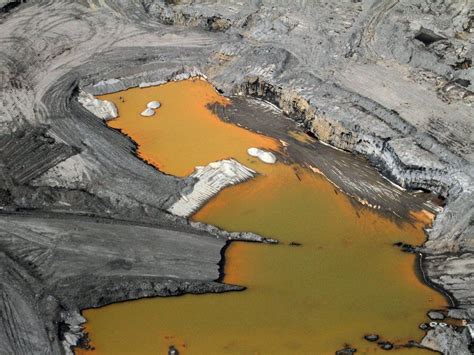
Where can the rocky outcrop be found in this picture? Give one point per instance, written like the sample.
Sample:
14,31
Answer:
434,37
101,108
208,181
189,14
447,341
230,236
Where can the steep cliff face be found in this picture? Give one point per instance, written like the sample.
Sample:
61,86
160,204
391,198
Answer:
403,158
411,159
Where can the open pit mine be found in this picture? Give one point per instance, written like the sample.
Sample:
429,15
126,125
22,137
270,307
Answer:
299,172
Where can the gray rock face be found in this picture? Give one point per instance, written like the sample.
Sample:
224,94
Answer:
64,264
346,351
447,341
389,80
435,315
100,108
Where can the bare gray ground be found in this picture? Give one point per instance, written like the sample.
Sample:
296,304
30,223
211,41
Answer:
350,173
388,80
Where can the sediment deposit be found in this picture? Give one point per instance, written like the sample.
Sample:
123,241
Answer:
390,80
209,180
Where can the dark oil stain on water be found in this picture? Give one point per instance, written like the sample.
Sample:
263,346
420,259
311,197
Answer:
344,281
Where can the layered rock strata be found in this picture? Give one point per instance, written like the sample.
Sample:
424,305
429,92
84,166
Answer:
209,180
389,80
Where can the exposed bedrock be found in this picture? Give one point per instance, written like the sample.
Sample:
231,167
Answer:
55,266
389,80
411,158
101,108
446,340
210,180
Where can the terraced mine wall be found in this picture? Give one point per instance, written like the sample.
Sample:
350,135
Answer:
408,160
366,81
405,161
426,171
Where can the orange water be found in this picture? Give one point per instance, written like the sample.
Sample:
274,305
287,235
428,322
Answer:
346,280
183,133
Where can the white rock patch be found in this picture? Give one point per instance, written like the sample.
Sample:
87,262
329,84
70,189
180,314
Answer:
263,155
254,152
103,109
147,84
148,112
153,105
210,180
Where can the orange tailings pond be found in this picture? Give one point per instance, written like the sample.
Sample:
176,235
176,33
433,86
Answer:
345,280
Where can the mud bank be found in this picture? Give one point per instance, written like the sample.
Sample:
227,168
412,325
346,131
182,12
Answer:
387,80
